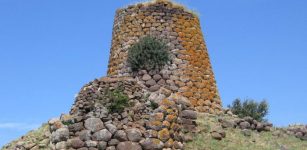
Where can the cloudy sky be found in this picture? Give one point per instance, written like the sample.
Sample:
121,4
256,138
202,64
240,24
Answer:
49,49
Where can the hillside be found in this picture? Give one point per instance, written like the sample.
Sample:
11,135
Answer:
235,139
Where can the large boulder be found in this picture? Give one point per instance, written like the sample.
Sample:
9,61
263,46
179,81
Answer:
134,135
76,143
59,135
151,144
102,135
128,146
93,124
245,125
189,114
120,135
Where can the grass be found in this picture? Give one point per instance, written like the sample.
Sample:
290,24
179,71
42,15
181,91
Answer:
235,140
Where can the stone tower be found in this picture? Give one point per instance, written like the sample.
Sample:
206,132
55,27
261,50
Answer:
189,72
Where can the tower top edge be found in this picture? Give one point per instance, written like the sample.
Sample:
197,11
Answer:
170,4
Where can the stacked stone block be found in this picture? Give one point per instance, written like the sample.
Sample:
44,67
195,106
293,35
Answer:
189,72
91,125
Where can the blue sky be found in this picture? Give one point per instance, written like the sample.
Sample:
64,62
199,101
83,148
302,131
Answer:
49,49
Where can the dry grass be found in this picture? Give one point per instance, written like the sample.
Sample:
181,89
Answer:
235,140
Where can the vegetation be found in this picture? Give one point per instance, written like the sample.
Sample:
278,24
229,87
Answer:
149,53
251,108
153,105
235,140
118,101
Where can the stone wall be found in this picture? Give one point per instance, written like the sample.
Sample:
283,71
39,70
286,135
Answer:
189,73
92,126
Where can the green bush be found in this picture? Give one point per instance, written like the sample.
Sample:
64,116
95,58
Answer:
249,107
118,101
149,53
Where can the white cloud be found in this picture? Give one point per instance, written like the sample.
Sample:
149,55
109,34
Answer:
18,126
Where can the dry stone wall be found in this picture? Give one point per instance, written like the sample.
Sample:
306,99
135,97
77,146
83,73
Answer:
189,72
92,126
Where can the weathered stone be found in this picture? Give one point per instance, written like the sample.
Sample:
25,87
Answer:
267,128
164,135
248,119
76,127
29,145
150,82
111,148
155,125
161,82
158,117
53,121
85,135
244,125
59,135
165,91
142,72
128,146
112,128
151,144
146,77
93,124
178,145
259,126
102,135
189,114
216,135
113,142
227,123
121,135
134,135
76,143
91,143
61,145
154,88
157,77
102,145
169,144
151,134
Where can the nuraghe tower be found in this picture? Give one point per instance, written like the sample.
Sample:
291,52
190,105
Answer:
189,73
183,87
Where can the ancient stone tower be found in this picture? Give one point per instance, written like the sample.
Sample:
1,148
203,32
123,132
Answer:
189,72
144,110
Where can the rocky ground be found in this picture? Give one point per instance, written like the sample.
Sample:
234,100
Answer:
222,132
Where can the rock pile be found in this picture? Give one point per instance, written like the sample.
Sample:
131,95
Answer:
243,123
92,126
246,123
299,131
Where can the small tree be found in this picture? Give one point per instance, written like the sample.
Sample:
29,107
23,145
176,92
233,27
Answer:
149,53
251,108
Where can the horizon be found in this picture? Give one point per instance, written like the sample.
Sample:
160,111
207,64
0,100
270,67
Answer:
50,49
